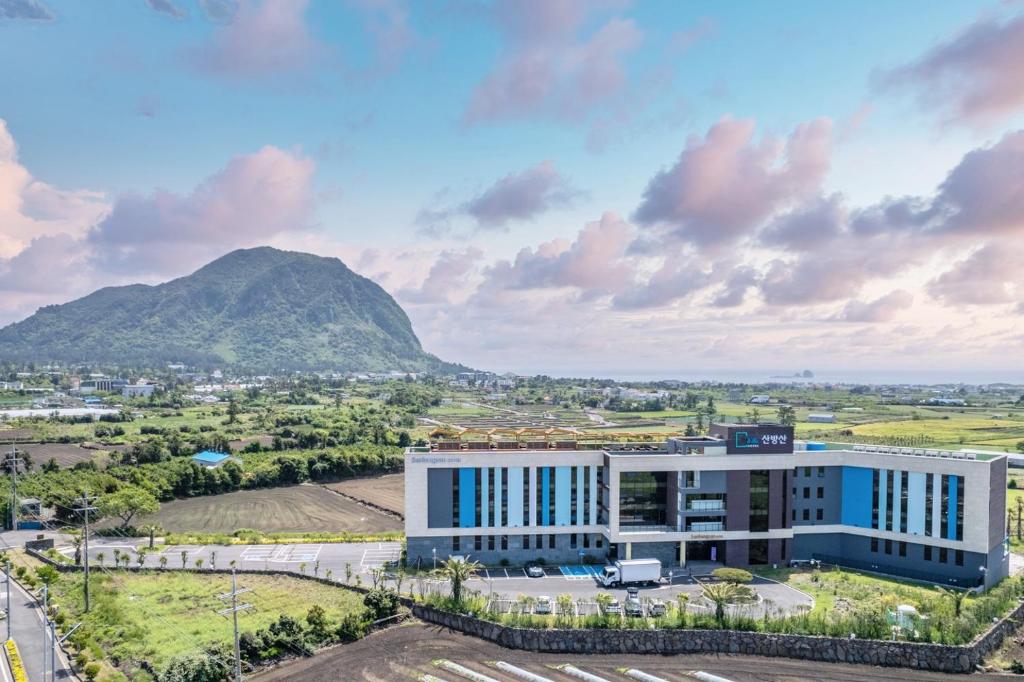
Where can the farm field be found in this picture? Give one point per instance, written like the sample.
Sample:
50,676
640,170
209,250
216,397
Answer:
155,616
66,455
289,509
387,492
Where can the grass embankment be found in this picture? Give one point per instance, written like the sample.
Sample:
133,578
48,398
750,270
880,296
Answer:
246,537
154,617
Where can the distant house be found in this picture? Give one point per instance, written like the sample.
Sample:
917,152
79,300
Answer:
760,399
211,459
822,418
137,390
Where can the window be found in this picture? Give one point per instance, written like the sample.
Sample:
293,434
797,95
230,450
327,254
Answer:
959,507
807,472
821,493
888,546
943,509
959,557
572,541
478,472
526,542
820,515
943,555
456,543
642,498
874,545
757,552
573,493
888,494
455,498
874,498
490,543
807,514
821,472
903,549
586,541
759,500
599,542
551,541
794,514
794,491
928,501
927,552
904,497
807,493
478,542
504,542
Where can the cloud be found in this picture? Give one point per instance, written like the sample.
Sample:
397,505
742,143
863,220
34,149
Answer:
387,23
32,10
50,265
884,309
447,277
593,263
684,39
975,77
262,40
736,286
219,10
167,7
725,185
517,197
809,225
992,274
31,208
675,279
547,68
253,198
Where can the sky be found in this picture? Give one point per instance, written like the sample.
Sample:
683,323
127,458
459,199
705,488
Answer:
571,187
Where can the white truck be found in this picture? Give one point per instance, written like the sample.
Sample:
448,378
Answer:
630,572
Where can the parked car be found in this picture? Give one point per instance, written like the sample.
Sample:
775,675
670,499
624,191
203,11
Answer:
534,571
543,606
656,608
613,608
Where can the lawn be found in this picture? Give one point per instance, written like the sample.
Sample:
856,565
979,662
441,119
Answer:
826,586
156,616
288,509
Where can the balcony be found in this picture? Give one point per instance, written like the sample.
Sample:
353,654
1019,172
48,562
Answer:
705,505
706,527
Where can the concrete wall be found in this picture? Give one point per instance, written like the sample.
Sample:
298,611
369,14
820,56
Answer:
935,657
421,549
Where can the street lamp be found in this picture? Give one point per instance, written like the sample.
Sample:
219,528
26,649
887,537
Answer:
435,558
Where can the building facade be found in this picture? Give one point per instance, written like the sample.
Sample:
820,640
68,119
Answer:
743,495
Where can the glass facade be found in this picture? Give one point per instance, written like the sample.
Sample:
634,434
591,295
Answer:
759,500
642,498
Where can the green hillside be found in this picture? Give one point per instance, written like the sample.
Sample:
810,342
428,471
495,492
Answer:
258,309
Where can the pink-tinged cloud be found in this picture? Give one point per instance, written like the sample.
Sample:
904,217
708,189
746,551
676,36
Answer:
723,186
593,263
447,277
992,274
253,198
547,67
808,226
267,38
521,196
884,309
734,291
675,279
976,77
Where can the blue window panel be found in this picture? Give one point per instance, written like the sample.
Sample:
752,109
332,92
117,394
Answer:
951,509
883,497
485,497
563,496
916,484
515,496
545,496
467,497
856,506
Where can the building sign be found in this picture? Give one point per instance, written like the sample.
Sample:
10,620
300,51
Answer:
761,439
435,459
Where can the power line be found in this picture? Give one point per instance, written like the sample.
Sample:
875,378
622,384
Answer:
84,508
12,461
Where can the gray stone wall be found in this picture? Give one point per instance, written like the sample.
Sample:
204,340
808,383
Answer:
936,657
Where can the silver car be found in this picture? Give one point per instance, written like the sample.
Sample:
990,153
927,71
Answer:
613,608
535,571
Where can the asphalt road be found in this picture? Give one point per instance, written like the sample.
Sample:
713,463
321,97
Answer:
406,652
27,631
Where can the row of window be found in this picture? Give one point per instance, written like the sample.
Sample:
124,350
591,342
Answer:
487,510
901,549
807,492
819,514
500,542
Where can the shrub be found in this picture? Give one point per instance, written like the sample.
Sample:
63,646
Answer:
381,603
733,575
92,671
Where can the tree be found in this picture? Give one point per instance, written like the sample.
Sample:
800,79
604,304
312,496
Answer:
47,574
381,603
457,572
151,529
100,556
184,558
683,598
786,415
163,561
1020,446
956,598
232,411
76,543
721,594
128,502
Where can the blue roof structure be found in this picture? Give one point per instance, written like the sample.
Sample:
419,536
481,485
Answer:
209,457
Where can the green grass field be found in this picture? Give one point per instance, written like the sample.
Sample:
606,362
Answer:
828,586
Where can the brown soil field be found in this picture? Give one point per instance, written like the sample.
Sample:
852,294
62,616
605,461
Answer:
406,652
66,454
386,492
289,509
241,443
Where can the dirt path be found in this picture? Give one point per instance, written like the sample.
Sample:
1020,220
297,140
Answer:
406,652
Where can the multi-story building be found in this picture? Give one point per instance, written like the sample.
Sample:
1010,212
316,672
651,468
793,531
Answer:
744,495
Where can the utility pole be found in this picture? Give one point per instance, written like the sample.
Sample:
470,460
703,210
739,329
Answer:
84,507
233,610
12,463
46,628
53,651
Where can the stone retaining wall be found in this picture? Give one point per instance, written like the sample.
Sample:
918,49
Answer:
937,657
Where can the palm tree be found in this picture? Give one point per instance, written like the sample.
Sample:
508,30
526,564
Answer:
140,558
683,598
163,561
76,542
100,556
457,572
213,560
199,564
151,529
302,568
117,558
956,597
184,559
721,594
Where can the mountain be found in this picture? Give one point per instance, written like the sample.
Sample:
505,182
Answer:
255,309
